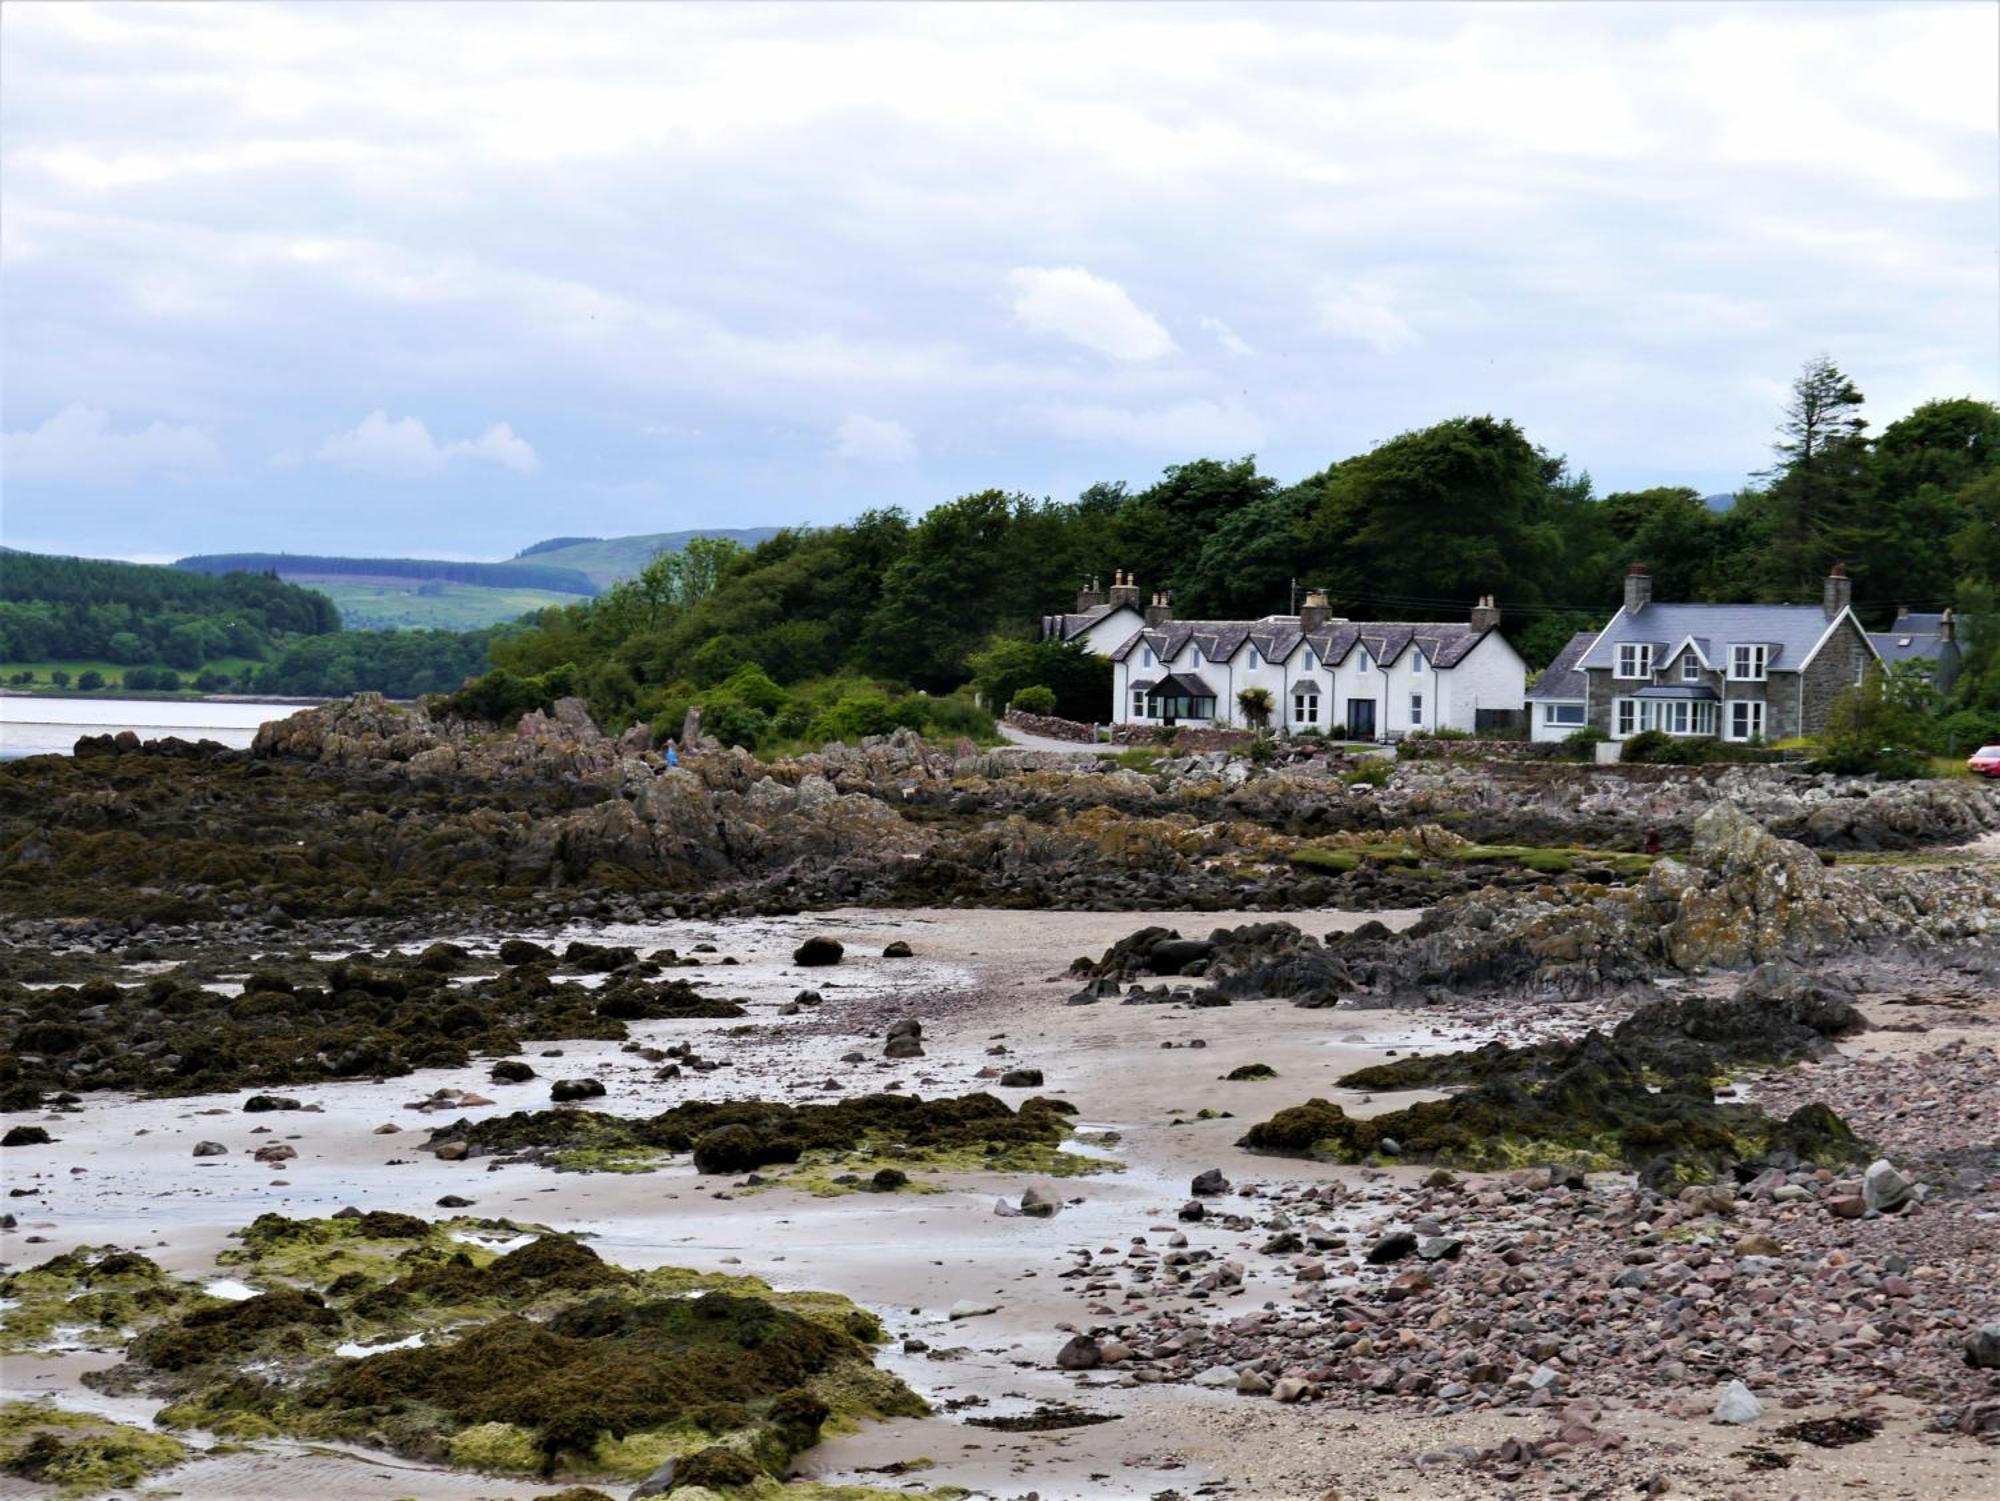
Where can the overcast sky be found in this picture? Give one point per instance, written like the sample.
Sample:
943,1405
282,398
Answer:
446,279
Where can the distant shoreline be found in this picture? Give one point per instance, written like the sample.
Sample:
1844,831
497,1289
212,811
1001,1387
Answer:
134,696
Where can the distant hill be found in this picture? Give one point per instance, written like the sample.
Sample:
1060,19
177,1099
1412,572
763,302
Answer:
1719,502
605,560
377,594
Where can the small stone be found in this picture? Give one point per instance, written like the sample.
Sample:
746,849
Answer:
1883,1189
1982,1348
1737,1404
818,951
1040,1203
1217,1375
1080,1354
1253,1384
450,1151
1209,1184
897,950
965,1308
210,1149
454,1201
1392,1247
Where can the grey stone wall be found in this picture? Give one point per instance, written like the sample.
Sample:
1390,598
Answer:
1601,692
1831,674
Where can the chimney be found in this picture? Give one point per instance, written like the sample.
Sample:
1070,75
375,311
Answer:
1638,588
1947,624
1901,611
1315,612
1161,610
1839,591
1485,615
1124,590
1089,597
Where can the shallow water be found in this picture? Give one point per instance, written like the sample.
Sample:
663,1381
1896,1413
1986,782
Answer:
46,726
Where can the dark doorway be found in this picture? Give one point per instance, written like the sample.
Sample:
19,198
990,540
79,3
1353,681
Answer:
1361,719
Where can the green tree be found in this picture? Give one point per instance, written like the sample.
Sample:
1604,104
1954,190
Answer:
1433,518
1819,489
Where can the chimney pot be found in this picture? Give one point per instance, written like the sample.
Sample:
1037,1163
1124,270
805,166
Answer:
1315,612
1160,611
1638,588
1124,591
1485,615
1839,591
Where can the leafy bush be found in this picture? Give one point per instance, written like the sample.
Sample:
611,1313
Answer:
1442,732
141,679
735,723
1373,772
1962,733
1256,706
91,680
1649,748
1036,698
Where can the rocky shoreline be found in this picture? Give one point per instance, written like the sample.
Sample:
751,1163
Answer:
1469,1149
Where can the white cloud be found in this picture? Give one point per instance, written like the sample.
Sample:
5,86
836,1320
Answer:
1071,302
874,440
404,448
1187,428
77,444
1231,341
1363,313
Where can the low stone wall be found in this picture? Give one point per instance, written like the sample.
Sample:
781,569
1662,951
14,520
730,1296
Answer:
1049,727
1435,748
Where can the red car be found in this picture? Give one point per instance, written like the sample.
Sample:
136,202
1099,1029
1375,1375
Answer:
1985,761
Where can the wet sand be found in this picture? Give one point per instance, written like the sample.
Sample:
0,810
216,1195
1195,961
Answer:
122,1172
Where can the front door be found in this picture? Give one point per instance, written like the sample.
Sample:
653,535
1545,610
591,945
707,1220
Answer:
1361,719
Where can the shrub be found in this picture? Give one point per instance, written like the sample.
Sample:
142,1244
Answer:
1648,748
1373,772
735,723
1262,750
1962,733
168,681
141,679
59,678
91,681
1035,699
1256,706
211,681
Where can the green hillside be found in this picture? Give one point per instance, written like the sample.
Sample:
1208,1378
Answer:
606,560
384,604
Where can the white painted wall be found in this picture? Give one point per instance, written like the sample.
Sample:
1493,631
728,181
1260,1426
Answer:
1539,727
1490,676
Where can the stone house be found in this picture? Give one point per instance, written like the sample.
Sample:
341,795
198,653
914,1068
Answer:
1365,680
1919,637
1740,672
1559,703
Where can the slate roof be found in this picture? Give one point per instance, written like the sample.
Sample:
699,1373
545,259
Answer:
1444,643
1069,626
1562,679
1909,646
1925,623
1677,690
1183,684
1791,631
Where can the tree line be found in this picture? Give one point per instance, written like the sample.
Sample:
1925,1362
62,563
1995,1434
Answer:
1415,528
511,575
55,608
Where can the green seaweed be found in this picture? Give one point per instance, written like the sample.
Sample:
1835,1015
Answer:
80,1453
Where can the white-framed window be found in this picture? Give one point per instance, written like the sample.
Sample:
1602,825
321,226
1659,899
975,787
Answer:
1416,708
1635,659
1562,714
1255,660
1305,706
1416,662
1860,671
1746,719
1310,664
1625,717
1361,661
1147,653
1138,703
1747,662
1690,668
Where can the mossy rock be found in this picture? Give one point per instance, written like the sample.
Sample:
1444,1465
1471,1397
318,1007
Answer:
80,1453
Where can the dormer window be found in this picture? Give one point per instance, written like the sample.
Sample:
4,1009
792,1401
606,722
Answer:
1747,663
1690,668
1635,659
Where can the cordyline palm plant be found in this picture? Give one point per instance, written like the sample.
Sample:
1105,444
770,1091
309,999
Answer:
1256,706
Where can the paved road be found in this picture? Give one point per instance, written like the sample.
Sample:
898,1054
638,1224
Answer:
1043,743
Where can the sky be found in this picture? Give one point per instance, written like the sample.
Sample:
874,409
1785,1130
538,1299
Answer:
443,280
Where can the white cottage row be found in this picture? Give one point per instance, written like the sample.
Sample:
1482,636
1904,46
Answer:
1366,680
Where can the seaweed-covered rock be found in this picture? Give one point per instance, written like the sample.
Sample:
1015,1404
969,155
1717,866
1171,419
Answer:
818,950
1585,1102
26,1136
